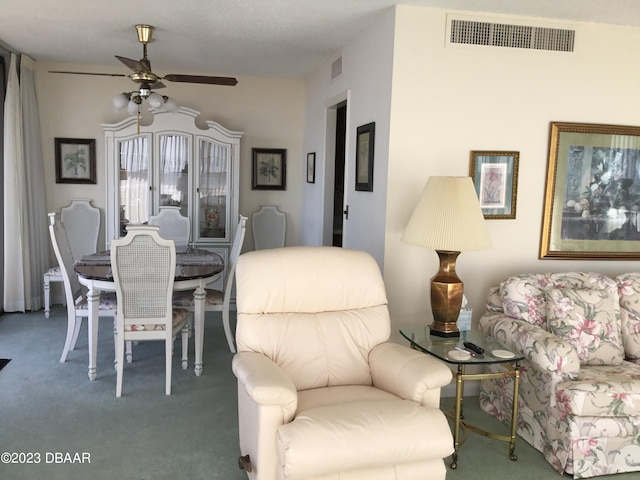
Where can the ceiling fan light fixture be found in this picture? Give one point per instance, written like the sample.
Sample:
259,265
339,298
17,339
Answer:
132,107
170,104
155,100
120,102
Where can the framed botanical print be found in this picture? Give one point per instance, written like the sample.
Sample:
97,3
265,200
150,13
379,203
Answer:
75,160
365,141
269,169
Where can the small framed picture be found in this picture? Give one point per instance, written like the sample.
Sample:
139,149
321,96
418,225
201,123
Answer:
311,167
75,160
495,176
269,169
365,140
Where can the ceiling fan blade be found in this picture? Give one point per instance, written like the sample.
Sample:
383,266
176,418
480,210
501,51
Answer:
134,65
201,79
90,73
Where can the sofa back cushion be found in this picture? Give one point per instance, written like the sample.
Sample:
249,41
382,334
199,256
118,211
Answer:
589,320
315,311
523,297
629,290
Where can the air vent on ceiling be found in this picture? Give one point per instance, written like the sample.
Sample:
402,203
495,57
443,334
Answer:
515,36
336,68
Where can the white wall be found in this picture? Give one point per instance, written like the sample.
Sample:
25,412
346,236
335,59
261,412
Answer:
268,111
448,101
366,81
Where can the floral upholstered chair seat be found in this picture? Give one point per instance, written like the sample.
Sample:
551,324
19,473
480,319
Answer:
579,398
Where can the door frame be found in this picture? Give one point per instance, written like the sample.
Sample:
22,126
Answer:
331,107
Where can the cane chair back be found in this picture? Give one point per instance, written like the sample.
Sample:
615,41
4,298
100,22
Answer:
143,265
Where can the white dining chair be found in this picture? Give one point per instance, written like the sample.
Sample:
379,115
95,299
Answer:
173,226
269,227
76,300
82,223
143,265
219,300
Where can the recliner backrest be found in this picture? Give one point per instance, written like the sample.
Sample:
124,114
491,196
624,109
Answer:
315,311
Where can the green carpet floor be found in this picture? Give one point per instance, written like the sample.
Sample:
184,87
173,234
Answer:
52,413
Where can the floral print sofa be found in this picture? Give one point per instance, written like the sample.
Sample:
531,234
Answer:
579,398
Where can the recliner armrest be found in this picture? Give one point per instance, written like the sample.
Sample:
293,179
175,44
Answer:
405,372
265,382
545,351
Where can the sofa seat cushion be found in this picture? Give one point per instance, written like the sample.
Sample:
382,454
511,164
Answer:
321,440
612,390
589,321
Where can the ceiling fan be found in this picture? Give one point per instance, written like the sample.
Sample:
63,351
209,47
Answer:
146,79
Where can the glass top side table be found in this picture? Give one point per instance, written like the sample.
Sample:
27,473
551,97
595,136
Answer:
495,353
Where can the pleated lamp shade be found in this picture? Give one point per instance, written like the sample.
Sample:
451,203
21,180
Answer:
448,217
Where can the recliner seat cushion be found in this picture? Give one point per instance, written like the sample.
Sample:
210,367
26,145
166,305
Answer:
321,440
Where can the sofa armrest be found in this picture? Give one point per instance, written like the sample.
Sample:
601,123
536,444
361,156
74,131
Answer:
265,382
545,351
407,373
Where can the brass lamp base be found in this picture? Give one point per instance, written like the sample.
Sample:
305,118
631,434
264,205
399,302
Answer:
446,296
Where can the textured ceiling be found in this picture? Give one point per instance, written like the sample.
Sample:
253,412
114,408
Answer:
272,38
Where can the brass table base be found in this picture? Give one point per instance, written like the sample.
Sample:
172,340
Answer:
458,423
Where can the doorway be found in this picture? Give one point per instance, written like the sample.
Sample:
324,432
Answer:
339,211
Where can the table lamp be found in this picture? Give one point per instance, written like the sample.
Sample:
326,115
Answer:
448,219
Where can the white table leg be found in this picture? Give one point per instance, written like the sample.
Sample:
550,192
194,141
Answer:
93,297
199,296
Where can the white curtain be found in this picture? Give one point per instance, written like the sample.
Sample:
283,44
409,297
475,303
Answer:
26,243
134,179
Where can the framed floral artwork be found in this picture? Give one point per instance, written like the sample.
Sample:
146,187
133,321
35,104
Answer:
592,193
495,176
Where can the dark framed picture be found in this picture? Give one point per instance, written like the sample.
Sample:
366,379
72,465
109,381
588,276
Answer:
75,160
269,169
311,167
495,176
365,140
592,193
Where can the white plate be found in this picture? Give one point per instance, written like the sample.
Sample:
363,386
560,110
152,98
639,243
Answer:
503,354
458,355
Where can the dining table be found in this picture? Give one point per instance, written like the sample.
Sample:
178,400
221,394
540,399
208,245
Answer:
195,268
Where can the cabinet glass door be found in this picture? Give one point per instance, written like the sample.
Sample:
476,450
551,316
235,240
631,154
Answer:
213,189
134,202
173,158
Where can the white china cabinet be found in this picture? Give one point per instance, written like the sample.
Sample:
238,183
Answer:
173,162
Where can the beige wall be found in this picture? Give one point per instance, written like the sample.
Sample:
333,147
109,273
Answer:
268,111
448,101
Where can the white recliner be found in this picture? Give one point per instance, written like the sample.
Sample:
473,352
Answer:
322,393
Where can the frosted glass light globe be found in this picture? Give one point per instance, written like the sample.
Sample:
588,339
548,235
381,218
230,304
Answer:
155,100
132,108
119,102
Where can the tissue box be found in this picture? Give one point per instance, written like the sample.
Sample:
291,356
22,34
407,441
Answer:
464,320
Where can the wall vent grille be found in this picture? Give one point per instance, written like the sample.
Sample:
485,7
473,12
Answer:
513,36
336,68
